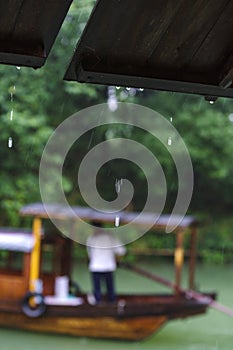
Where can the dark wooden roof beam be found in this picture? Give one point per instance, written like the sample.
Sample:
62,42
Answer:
152,83
226,76
179,46
25,53
28,30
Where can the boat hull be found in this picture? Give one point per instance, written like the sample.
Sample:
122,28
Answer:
131,318
136,328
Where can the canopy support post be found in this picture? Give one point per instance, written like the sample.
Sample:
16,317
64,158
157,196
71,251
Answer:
35,255
192,258
178,259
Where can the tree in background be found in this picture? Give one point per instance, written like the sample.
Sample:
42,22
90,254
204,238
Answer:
40,100
32,103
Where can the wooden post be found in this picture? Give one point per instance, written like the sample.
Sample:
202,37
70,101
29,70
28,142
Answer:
192,258
35,255
179,259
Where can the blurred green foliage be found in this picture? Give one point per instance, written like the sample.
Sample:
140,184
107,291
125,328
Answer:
34,102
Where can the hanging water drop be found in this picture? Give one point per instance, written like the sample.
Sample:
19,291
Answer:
10,142
141,89
17,67
169,141
128,88
118,87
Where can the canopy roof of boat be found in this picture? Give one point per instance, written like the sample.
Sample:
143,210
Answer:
87,214
13,239
184,46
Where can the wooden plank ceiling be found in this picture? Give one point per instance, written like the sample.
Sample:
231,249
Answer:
28,29
174,45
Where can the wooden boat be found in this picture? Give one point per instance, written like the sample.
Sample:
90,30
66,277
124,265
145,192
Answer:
30,297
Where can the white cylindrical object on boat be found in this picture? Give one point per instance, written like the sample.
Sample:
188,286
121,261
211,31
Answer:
62,286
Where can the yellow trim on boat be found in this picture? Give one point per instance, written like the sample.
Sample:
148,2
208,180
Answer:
35,255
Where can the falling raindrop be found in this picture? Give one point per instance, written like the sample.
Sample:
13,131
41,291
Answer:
171,119
12,114
118,184
12,91
10,142
169,141
231,117
117,221
112,99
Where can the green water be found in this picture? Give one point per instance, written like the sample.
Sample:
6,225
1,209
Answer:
211,331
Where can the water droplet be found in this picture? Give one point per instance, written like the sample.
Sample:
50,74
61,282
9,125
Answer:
117,221
128,88
112,104
211,102
118,87
141,89
231,117
12,114
10,142
17,67
169,141
118,184
12,91
112,99
171,119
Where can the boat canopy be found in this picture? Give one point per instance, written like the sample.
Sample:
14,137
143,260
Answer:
16,240
71,213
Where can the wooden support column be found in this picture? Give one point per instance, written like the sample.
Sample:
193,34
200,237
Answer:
35,255
192,258
179,258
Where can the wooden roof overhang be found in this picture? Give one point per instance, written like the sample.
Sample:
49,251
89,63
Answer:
57,211
28,30
183,46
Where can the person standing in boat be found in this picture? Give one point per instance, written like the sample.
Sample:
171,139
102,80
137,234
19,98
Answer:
103,248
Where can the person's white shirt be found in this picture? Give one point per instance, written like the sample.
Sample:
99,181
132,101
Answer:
102,250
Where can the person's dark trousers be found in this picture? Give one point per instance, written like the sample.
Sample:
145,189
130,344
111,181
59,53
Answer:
107,278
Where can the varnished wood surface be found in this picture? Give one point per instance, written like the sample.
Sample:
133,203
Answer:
102,327
133,317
